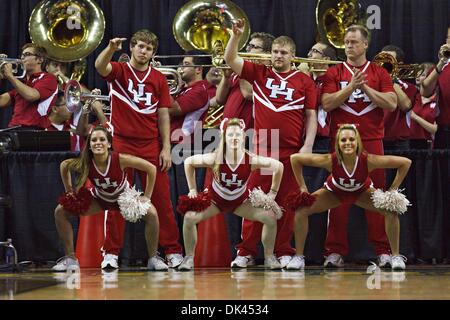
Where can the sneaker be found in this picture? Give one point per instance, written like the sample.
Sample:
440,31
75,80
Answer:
110,261
174,260
272,263
66,263
242,262
384,260
157,263
187,264
284,260
334,260
398,262
296,263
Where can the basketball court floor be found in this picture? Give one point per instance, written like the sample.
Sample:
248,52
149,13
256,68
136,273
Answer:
359,282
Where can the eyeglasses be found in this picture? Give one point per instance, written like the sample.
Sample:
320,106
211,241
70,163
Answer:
27,54
314,50
252,46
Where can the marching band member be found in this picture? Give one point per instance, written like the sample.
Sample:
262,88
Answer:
357,91
285,112
140,122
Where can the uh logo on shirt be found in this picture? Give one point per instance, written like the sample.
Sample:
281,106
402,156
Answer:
281,89
140,95
357,94
106,184
350,184
230,182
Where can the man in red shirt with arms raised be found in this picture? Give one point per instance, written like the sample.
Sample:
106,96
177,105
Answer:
285,108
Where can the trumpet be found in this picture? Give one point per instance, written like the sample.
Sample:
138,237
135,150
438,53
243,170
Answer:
17,65
445,52
74,96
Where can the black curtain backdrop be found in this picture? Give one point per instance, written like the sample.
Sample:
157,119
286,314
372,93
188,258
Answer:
417,26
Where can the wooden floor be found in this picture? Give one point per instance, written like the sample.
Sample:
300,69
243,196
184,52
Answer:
424,282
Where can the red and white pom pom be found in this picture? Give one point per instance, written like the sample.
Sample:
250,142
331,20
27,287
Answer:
295,200
259,199
76,202
393,201
198,204
131,207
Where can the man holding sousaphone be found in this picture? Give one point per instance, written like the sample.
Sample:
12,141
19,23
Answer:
285,108
140,121
33,97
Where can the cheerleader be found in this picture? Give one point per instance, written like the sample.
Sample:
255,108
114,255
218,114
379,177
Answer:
349,182
106,170
232,165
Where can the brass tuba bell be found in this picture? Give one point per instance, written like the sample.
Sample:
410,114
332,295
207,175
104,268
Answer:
68,29
207,25
333,17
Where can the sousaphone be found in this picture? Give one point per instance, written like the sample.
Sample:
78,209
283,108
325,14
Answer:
207,25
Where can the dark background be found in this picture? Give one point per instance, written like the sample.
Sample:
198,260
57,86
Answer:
417,26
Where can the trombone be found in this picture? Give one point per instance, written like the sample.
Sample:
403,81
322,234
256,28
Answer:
218,60
74,96
17,64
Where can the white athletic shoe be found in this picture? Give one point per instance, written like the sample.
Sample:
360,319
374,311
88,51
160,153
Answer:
384,260
272,263
157,263
66,263
398,262
334,260
187,264
110,261
242,262
174,259
297,263
284,260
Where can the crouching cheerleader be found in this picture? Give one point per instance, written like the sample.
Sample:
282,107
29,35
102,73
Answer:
348,182
232,165
106,170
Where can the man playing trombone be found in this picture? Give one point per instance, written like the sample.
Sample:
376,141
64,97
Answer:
33,97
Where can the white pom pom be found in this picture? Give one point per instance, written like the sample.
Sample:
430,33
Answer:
393,201
131,208
259,199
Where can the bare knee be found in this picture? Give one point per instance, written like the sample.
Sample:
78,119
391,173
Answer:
190,218
269,219
60,212
151,215
302,213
